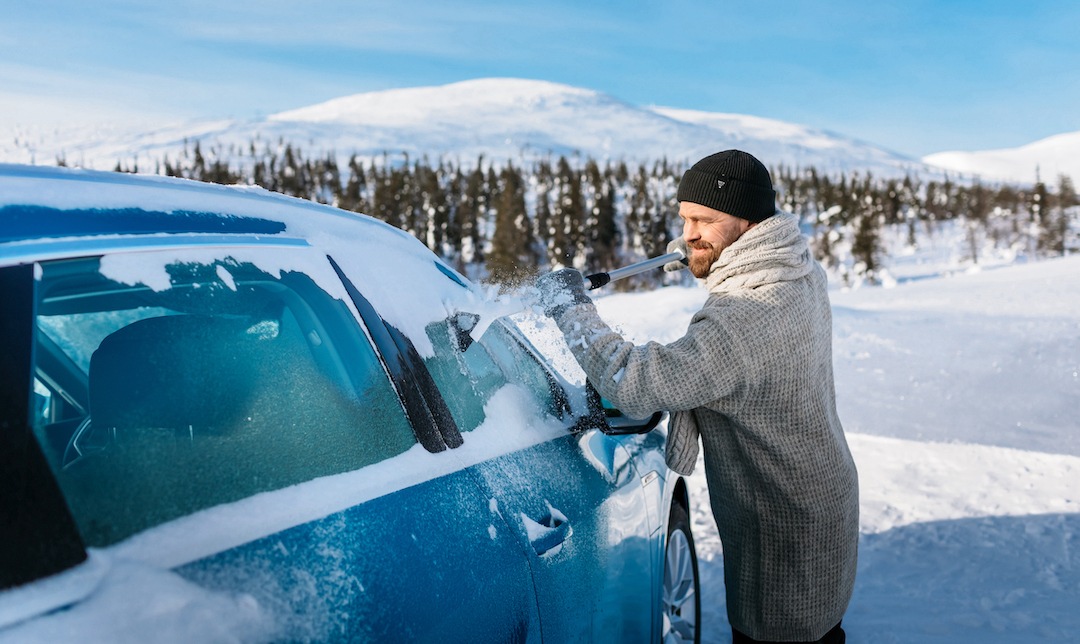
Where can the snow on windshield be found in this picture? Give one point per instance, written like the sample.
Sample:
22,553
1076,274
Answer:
150,268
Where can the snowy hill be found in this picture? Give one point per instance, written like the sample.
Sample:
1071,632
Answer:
1047,157
500,118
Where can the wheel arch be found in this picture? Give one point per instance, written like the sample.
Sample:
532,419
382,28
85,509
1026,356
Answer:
680,495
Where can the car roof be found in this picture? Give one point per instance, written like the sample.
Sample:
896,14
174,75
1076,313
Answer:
115,203
51,213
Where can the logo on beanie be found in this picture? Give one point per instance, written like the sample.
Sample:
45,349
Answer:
719,184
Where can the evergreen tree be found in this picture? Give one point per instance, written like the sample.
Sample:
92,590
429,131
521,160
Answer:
434,210
326,178
352,195
292,182
909,201
1067,202
975,206
198,166
638,213
1005,224
1055,220
1066,195
641,224
389,195
511,257
473,203
543,221
600,234
567,215
1041,211
892,203
664,223
866,240
452,244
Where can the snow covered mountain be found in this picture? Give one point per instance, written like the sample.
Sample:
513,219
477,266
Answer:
520,120
1047,158
501,118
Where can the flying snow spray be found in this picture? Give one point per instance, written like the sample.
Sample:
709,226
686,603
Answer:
473,326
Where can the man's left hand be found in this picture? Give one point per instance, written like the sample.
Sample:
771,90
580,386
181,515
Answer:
559,290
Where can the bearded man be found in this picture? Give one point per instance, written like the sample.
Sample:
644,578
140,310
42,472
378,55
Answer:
752,378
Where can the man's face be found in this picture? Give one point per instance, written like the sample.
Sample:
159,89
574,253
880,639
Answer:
708,232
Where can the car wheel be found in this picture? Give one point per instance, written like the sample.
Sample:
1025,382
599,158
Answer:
681,600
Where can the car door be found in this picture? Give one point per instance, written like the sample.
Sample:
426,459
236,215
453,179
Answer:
222,417
570,491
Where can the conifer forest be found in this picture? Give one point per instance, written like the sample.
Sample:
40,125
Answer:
506,222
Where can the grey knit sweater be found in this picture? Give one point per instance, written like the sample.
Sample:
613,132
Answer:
753,379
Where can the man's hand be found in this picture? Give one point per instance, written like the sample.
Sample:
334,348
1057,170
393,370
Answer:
559,290
679,243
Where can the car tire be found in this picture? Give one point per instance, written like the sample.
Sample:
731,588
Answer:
680,594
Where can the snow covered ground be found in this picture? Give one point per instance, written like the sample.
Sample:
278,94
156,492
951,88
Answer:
960,395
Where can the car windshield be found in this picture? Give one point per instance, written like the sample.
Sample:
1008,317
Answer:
78,334
153,404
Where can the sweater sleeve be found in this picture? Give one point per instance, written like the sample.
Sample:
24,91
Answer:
705,367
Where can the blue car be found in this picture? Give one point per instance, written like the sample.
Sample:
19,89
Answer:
234,416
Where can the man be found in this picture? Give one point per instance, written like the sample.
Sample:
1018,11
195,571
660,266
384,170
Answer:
753,379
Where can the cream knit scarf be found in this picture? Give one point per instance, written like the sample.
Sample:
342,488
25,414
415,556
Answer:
773,251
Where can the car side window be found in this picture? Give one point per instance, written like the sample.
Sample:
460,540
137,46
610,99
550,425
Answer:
153,403
468,378
514,359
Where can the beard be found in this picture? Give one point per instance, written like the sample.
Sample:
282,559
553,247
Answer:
701,263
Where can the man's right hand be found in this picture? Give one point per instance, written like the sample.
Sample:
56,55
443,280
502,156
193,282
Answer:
679,243
560,290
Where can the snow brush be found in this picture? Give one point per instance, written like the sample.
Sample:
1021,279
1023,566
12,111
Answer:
467,327
596,280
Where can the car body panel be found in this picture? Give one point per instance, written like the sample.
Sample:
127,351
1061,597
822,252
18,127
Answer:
397,568
387,570
583,521
531,524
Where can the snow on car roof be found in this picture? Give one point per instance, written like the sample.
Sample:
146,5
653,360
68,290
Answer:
406,282
163,200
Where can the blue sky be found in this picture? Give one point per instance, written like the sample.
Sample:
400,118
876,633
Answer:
916,76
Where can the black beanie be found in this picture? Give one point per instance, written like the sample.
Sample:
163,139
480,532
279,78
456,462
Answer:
731,181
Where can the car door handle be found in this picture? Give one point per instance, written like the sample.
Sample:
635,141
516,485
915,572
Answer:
547,534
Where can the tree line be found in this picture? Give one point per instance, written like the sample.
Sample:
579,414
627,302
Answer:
505,222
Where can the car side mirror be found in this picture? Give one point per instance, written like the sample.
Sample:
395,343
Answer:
604,416
620,424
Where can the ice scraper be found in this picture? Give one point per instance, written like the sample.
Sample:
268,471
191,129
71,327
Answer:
596,280
467,327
